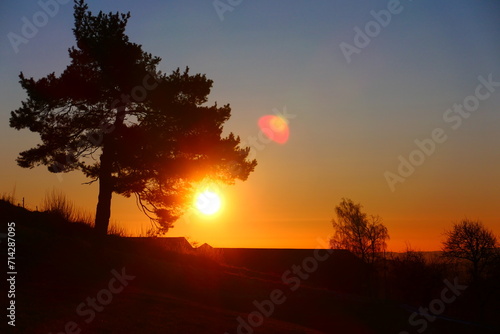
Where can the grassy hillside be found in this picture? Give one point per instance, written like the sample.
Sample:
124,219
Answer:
67,281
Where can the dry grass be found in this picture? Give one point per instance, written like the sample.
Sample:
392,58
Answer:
151,232
57,203
115,229
9,197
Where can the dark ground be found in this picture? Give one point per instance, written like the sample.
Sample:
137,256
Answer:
59,265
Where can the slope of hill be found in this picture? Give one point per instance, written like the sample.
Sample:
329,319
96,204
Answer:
70,281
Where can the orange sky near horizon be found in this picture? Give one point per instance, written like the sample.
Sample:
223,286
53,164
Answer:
349,121
245,221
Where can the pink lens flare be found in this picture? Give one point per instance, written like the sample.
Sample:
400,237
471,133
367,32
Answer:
275,128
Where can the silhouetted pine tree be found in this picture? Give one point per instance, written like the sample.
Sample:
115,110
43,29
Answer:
153,133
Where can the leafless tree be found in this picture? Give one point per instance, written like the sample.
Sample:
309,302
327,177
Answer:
362,235
470,240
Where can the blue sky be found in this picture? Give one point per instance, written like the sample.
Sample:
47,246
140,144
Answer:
352,120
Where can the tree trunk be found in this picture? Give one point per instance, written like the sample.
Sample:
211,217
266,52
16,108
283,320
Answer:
106,184
475,271
103,211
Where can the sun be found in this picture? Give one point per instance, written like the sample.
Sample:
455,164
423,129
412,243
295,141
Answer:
208,202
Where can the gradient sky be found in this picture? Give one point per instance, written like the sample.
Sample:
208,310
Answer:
351,120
